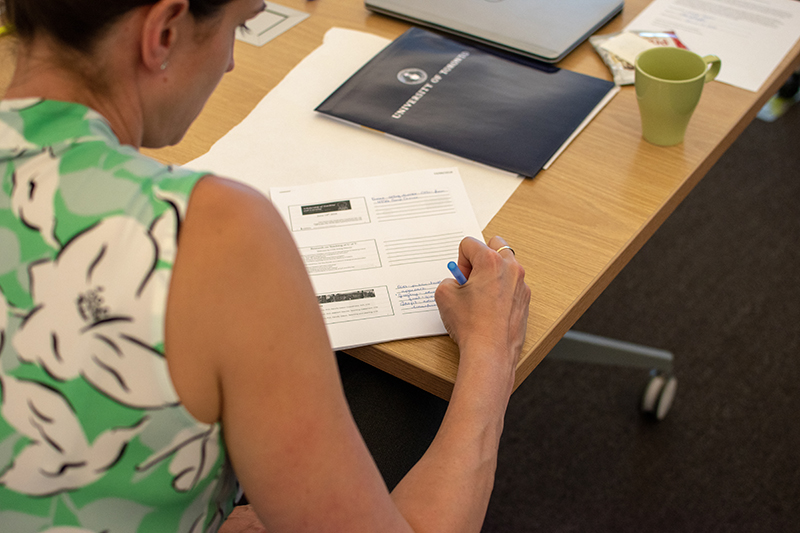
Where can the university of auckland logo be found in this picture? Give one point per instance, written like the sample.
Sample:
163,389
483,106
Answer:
412,76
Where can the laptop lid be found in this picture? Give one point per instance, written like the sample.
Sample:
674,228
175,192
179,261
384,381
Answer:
546,30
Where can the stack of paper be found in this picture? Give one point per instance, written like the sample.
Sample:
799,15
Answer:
751,37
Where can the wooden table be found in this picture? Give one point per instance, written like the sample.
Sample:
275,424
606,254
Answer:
574,226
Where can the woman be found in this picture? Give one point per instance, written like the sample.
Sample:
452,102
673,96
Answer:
136,373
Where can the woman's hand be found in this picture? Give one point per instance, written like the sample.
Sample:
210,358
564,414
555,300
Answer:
489,313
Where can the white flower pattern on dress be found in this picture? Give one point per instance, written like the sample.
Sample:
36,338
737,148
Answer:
35,185
94,315
3,320
217,514
176,200
194,452
59,458
18,104
164,232
12,140
11,137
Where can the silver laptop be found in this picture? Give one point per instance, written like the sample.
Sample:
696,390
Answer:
546,30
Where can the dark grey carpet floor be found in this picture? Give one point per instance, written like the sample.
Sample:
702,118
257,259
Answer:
719,285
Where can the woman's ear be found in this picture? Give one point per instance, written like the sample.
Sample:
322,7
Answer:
161,30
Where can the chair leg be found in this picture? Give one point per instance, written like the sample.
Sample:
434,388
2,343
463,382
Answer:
587,348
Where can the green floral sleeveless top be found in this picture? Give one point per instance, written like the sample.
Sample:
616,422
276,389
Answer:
92,435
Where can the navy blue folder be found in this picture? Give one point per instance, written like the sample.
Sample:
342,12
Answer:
504,111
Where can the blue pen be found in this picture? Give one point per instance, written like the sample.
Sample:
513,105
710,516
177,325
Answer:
456,272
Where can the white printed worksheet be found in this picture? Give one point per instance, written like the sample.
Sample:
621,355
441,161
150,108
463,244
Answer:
750,36
376,249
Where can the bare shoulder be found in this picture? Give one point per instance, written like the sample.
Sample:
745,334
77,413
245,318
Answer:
237,279
222,206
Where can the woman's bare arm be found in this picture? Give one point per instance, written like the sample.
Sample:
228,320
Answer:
487,317
247,345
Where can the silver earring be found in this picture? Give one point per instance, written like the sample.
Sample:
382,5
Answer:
164,65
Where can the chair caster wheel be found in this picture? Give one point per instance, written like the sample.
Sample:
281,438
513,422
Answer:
658,396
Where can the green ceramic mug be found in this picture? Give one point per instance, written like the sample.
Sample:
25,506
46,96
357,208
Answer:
668,83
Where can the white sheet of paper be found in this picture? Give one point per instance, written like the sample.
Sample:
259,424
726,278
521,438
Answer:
274,20
284,141
376,249
751,37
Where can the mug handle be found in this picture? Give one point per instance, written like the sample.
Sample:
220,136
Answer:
713,64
